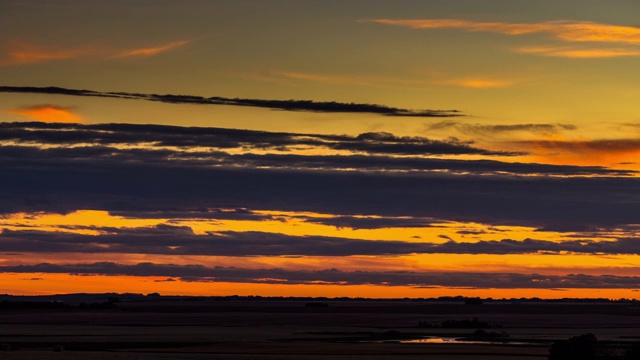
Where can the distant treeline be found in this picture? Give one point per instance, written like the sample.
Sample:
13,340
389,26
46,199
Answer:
109,297
33,305
57,305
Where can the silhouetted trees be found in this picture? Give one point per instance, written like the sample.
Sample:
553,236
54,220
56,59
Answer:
473,301
587,347
582,347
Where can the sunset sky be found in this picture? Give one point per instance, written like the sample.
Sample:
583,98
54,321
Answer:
320,148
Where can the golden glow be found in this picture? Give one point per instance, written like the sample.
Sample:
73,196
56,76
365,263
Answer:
552,264
614,153
49,113
480,83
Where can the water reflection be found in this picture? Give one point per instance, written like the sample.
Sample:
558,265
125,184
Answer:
454,340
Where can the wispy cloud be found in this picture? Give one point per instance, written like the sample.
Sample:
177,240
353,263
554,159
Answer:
491,129
48,113
25,53
470,82
151,51
328,79
568,31
20,52
569,52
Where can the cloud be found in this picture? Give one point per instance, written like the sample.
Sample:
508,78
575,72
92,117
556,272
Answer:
568,52
200,213
288,105
475,280
146,52
175,240
567,31
371,222
49,113
19,52
488,129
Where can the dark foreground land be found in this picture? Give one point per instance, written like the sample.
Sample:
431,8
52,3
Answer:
242,330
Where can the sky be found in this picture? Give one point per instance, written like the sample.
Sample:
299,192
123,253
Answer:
320,148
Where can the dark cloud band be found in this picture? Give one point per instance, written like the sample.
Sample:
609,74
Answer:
337,277
180,240
288,105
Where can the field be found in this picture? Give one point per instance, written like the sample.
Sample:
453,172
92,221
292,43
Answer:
243,330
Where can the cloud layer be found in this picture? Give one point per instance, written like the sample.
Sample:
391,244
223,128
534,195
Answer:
66,167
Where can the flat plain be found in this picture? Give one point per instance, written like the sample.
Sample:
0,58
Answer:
243,330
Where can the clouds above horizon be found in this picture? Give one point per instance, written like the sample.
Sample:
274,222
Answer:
440,147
